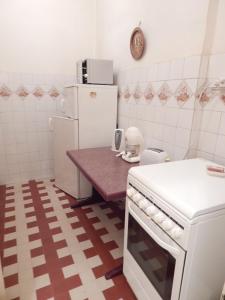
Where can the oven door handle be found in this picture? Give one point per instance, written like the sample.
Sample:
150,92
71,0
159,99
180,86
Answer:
173,251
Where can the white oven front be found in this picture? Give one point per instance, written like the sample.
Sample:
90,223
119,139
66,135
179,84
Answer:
153,262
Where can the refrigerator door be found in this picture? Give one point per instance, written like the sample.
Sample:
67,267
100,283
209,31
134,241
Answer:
67,176
97,115
69,104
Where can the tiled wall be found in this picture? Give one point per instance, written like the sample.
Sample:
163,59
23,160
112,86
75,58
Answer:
159,99
26,103
162,99
212,130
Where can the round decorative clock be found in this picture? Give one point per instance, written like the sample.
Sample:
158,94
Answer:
137,43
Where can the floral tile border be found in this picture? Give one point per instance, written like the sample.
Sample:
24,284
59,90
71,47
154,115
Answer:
166,90
5,91
182,94
23,92
164,93
137,94
127,94
222,97
149,92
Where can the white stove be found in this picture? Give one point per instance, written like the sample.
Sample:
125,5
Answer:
174,231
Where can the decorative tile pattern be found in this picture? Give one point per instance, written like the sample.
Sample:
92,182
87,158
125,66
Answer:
164,93
59,253
183,93
149,92
120,93
204,98
222,97
127,93
170,126
22,92
54,93
38,92
137,92
5,91
204,94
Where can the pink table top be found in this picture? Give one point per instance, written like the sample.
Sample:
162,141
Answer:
106,172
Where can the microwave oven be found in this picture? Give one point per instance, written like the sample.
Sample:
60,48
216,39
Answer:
95,71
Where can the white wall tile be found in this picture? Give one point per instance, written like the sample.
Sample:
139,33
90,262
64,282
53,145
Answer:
171,116
217,66
169,134
210,121
185,118
222,124
26,153
220,146
157,131
205,155
180,153
176,69
207,142
163,71
169,124
191,67
152,72
158,114
182,137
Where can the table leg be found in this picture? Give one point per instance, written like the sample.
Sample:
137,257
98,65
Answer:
95,198
114,272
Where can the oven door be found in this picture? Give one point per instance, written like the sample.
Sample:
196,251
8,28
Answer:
153,262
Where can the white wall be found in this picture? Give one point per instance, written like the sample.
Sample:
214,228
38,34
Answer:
219,41
173,29
41,40
45,36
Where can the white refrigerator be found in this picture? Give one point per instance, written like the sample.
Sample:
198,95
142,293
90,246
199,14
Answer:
89,116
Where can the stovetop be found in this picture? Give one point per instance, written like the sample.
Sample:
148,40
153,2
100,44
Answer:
184,185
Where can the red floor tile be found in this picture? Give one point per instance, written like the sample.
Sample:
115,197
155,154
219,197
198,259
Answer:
9,260
50,254
11,280
40,270
45,293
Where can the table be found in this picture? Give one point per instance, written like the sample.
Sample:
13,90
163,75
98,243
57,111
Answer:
108,176
106,172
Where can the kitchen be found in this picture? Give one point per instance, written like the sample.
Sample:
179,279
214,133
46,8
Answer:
173,93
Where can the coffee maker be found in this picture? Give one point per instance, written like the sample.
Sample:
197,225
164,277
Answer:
133,145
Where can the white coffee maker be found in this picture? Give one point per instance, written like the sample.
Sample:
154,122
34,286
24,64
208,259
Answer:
133,145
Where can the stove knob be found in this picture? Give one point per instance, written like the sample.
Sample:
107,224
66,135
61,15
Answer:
151,210
143,204
137,197
167,224
159,217
176,232
130,192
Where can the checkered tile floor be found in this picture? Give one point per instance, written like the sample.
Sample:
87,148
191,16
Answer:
49,251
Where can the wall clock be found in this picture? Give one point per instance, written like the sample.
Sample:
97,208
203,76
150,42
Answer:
137,43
